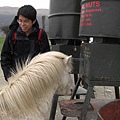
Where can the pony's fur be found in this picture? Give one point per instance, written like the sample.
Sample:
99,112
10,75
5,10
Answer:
31,89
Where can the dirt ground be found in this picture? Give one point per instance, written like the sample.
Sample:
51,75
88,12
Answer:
100,92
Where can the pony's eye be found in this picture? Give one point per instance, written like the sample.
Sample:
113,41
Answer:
69,72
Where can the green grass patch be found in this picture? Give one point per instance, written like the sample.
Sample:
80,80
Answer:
2,39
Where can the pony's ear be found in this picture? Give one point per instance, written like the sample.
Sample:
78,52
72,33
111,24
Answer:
68,63
68,59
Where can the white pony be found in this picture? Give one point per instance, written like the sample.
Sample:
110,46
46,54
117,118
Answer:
31,89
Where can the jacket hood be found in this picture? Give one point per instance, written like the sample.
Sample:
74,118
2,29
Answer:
14,25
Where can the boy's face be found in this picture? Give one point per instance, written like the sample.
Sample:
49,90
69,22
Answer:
25,24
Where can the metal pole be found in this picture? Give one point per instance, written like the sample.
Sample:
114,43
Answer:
54,107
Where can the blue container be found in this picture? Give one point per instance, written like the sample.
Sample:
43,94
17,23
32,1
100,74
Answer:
64,19
100,18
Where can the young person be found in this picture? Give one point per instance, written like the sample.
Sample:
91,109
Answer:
22,41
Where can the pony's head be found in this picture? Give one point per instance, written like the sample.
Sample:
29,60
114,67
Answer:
63,67
67,84
45,75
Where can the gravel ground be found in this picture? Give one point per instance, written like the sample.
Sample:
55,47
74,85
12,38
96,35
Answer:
100,92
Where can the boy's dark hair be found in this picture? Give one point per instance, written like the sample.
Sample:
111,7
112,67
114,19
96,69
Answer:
27,11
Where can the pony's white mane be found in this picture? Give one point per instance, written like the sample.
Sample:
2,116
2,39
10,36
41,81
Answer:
31,85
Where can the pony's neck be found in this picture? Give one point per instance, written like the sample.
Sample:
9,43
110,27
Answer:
45,102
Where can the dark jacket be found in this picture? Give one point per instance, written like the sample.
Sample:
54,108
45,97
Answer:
24,47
